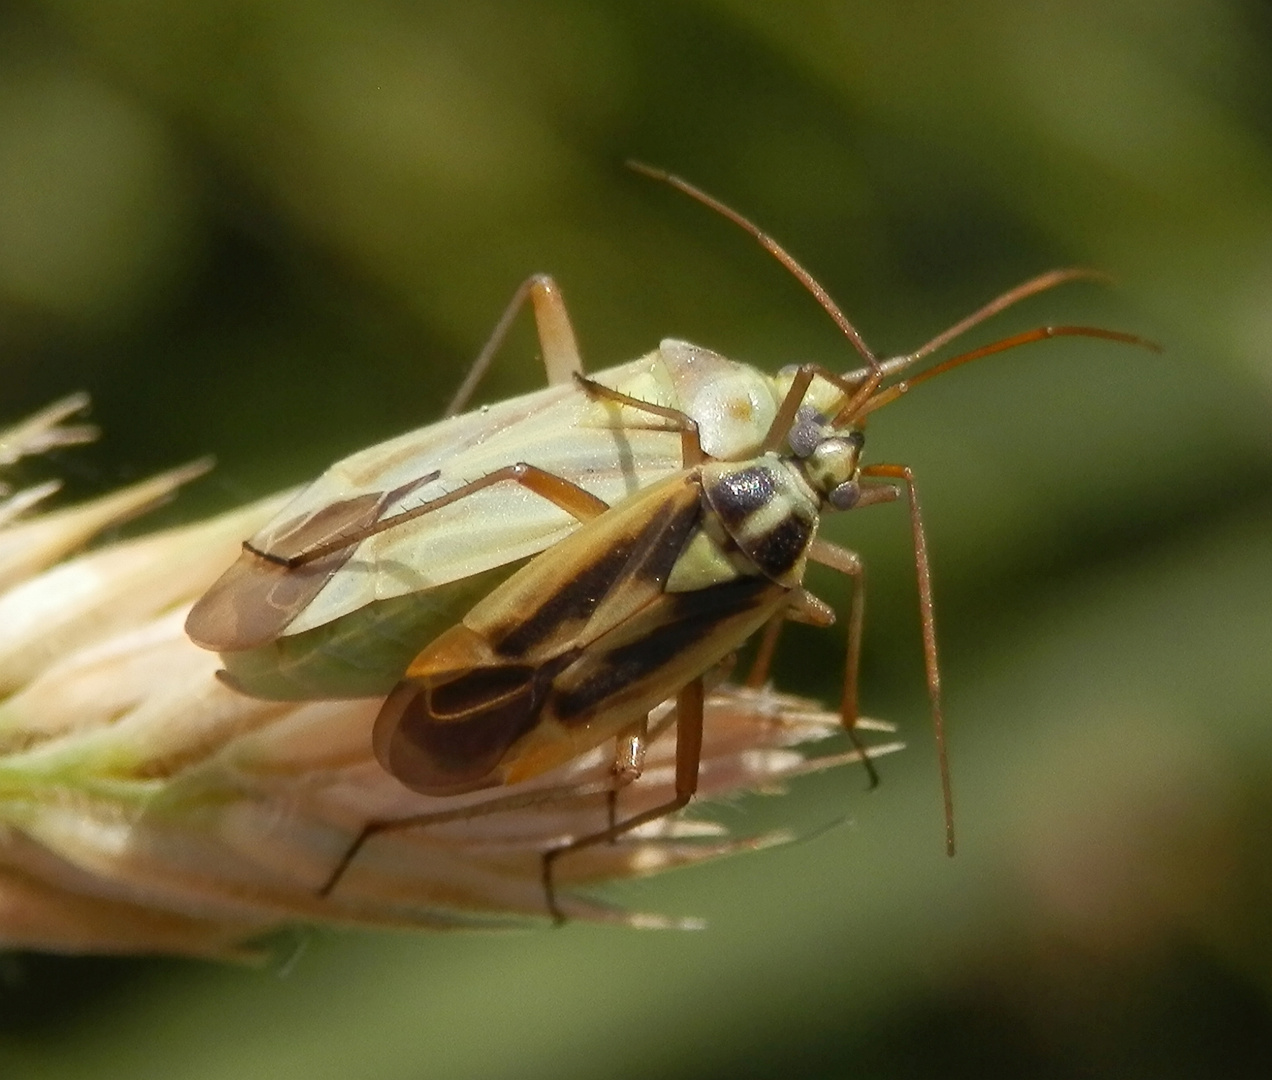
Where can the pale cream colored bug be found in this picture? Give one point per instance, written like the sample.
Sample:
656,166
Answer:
405,540
649,597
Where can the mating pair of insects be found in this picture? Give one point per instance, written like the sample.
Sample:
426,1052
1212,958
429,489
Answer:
672,505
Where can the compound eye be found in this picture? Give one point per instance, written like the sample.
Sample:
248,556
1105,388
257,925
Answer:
845,496
807,432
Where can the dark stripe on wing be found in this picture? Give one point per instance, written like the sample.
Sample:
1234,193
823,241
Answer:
648,557
572,604
465,726
691,617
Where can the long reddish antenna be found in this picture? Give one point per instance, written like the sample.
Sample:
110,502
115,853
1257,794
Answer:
773,248
865,399
1026,289
1040,333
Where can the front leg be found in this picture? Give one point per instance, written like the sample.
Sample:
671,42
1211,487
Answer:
927,621
849,562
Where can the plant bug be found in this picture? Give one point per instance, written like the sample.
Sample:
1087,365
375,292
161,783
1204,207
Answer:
405,543
650,596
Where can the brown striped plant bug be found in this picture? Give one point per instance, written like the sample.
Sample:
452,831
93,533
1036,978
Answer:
652,595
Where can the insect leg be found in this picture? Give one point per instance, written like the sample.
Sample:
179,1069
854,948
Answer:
849,562
517,801
927,620
852,387
634,743
629,762
556,338
502,804
804,607
571,498
690,444
689,707
758,675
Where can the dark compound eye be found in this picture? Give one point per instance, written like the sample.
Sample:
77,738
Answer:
807,431
845,496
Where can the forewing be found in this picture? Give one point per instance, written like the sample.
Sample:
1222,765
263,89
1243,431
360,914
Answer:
471,702
593,580
560,430
648,658
447,733
255,599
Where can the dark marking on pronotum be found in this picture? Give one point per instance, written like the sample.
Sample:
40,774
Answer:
740,493
777,550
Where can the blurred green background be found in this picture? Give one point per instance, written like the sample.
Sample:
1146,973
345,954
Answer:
277,231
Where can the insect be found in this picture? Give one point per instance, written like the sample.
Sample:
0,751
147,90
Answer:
650,596
335,595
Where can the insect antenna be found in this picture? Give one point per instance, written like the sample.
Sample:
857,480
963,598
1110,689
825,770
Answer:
1040,333
865,398
1035,285
777,251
